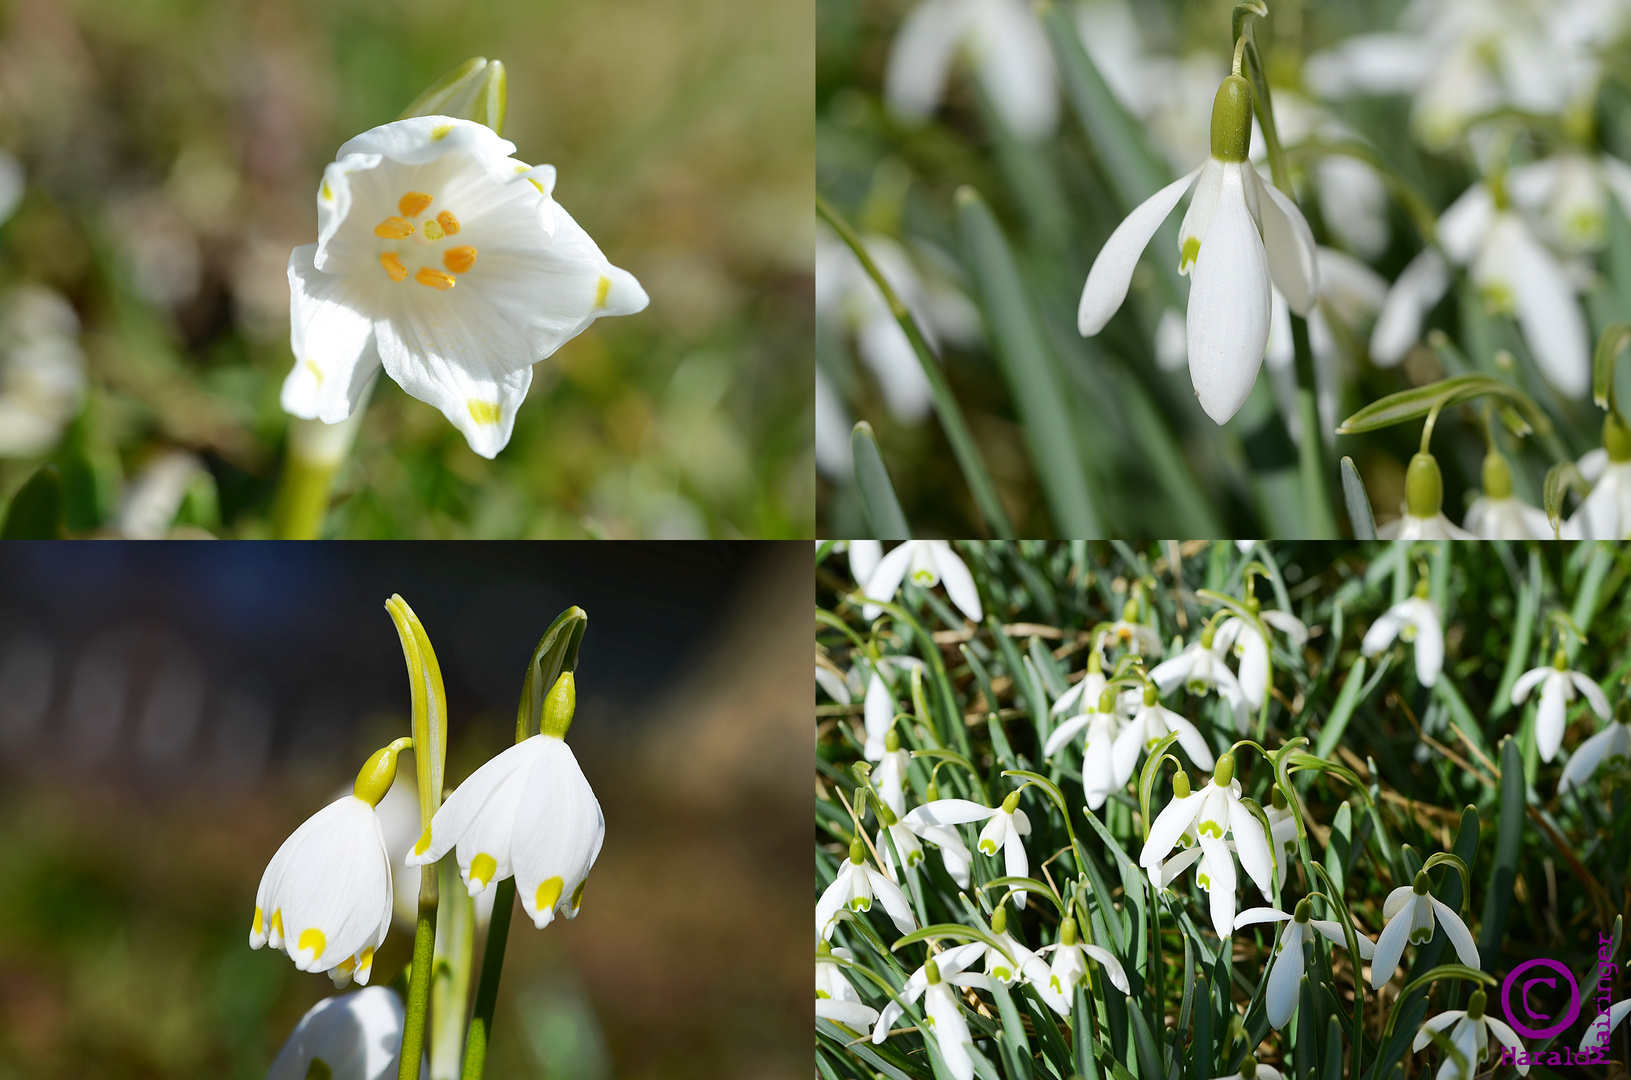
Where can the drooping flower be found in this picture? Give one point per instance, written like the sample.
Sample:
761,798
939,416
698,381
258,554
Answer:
1069,967
1200,668
1132,635
1498,514
1472,1031
1410,911
42,367
1238,233
1149,725
1605,513
1251,1070
1611,745
1101,722
1423,517
1597,1033
890,776
836,999
944,1019
1212,812
1239,634
1005,826
924,822
929,562
1087,690
447,260
852,891
528,812
1286,970
351,1037
1570,192
1557,687
1412,620
1004,44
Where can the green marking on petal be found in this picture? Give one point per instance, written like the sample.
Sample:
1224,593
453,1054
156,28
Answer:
319,1070
1211,828
988,847
822,995
1192,250
1421,935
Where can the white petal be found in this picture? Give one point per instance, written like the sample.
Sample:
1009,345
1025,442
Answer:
420,140
1253,916
1421,285
1170,673
833,900
895,903
889,353
1593,693
1254,668
1190,738
1016,864
1463,227
864,556
1527,682
949,812
1289,244
1549,716
1198,218
950,1031
958,581
332,886
1064,733
1389,948
1285,978
1503,1033
850,1013
921,56
1396,901
1550,316
1460,936
1334,931
1429,647
1437,1023
1228,306
1113,268
1585,758
1125,750
1015,66
1112,966
1252,846
565,829
460,809
1220,867
1169,825
885,580
879,715
355,1035
332,338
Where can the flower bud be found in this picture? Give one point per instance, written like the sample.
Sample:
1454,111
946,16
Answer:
1497,476
1616,437
1423,487
1225,771
1232,120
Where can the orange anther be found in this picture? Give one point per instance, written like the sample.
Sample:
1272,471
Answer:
393,266
459,259
413,203
394,228
434,278
449,223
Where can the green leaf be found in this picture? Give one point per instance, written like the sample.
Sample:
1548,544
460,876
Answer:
475,90
1559,479
878,501
1357,502
1523,627
1503,878
1342,711
1609,346
1417,402
1016,1048
35,512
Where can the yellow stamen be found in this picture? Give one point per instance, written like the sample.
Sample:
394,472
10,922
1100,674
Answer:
413,203
483,412
459,259
482,869
434,278
448,222
549,891
313,939
393,266
602,288
432,229
394,228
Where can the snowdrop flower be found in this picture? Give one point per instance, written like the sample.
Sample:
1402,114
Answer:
1413,620
929,562
1557,687
836,999
1596,1037
1101,722
864,557
1004,44
1410,911
1423,517
1013,963
1282,834
949,964
1213,811
925,822
1132,635
528,812
878,714
944,1019
1149,725
1200,668
1238,232
351,1037
1069,967
1251,1070
1286,972
890,776
852,892
1253,651
1605,513
442,257
1498,514
1570,191
1471,1032
42,368
905,839
833,681
1088,690
1005,826
325,898
1612,744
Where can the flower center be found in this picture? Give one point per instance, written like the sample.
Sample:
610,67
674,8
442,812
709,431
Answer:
424,249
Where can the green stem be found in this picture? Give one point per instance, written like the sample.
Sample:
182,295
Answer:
314,453
492,966
450,978
424,947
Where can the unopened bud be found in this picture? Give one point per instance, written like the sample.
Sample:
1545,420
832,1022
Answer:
1093,662
1423,487
1206,636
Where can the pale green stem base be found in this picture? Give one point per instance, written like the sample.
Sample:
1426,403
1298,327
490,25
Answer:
450,976
314,454
492,966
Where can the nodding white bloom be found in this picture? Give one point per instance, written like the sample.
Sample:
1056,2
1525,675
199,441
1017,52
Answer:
42,368
1570,192
1132,635
1605,513
950,965
944,1019
1239,232
836,999
1069,967
351,1037
864,556
1557,687
1013,963
1282,834
890,776
906,841
442,257
1239,634
1410,911
924,821
1149,725
1211,812
1498,514
1001,40
1413,620
929,562
1251,1070
833,681
832,431
1611,745
529,812
325,898
1597,1033
852,891
1286,972
1423,517
1200,668
1005,825
1087,691
1101,721
1472,1031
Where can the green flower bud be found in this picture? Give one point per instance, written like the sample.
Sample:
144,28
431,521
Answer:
559,706
1424,487
1011,803
1067,931
1225,770
1180,785
1420,886
1497,476
857,851
1232,120
1616,437
1475,1005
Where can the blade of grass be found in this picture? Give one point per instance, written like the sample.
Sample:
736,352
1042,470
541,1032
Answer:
1358,503
878,501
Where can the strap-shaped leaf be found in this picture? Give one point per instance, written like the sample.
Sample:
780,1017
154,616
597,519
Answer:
1614,340
1357,502
878,501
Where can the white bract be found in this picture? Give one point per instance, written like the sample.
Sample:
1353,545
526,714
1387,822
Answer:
1200,668
442,257
929,562
1410,911
351,1037
836,999
1238,233
1069,967
1003,43
1472,1031
1413,620
852,890
1212,812
1286,972
1611,745
1557,688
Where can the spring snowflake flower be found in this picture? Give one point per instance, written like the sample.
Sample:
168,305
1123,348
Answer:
1213,811
1611,745
1413,620
1239,634
1003,42
1557,687
1238,233
529,812
1605,513
836,999
1069,967
1200,668
1471,1032
351,1037
1498,514
1597,1033
1286,972
852,891
1410,911
929,562
447,261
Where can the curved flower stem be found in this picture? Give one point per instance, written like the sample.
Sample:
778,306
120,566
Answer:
492,966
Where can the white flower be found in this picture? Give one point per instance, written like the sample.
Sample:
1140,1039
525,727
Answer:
832,431
1251,1070
836,999
1557,687
1413,620
864,556
442,257
1471,1032
1100,719
1410,911
1211,812
1282,834
1004,828
1002,41
1200,668
351,1037
1253,651
1597,1033
944,1019
1570,191
1612,744
1012,963
879,715
1410,526
1286,972
529,812
1605,513
890,775
950,964
929,562
1132,635
1149,725
1069,967
42,368
1087,690
1237,233
925,822
1507,518
852,891
905,839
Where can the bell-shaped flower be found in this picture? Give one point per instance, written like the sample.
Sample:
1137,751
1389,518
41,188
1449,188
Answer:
1471,1032
529,812
1611,745
351,1037
1132,635
892,828
929,562
1013,963
1286,967
1101,722
1413,620
1005,826
1570,192
1253,652
1557,688
1605,513
442,257
1149,725
890,775
1411,911
1212,812
1602,1026
1282,834
1069,967
325,898
1238,233
852,890
836,999
1003,42
952,965
1200,668
925,822
1423,517
1251,1070
1498,514
1086,691
943,1019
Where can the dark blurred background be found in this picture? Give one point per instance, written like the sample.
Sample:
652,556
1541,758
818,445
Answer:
170,713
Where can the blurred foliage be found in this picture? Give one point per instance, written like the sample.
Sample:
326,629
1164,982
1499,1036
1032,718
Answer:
172,151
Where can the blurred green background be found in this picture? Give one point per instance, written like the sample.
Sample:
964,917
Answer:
171,151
